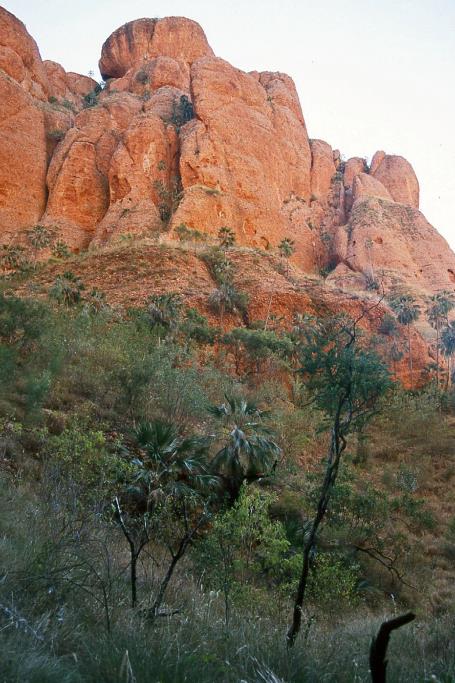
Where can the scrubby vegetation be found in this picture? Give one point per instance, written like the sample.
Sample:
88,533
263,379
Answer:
161,484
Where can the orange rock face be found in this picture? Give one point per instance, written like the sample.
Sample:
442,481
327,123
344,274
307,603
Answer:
23,158
246,160
23,148
322,168
397,175
136,43
365,185
181,137
19,56
67,86
394,245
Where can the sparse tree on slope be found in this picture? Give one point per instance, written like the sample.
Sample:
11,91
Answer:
248,449
448,347
439,307
346,380
407,312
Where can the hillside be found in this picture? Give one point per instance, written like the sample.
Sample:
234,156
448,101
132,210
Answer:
226,358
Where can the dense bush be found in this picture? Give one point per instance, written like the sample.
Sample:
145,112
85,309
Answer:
83,385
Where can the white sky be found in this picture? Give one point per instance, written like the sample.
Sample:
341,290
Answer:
370,74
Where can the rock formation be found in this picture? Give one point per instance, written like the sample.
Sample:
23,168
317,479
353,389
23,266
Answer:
179,137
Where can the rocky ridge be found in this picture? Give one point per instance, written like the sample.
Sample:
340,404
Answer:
179,137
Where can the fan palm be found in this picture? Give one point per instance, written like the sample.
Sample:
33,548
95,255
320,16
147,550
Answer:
439,307
171,464
249,450
448,346
407,312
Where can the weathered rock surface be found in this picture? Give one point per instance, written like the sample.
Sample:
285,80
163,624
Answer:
19,56
179,136
77,179
322,168
365,185
137,42
23,159
395,245
245,158
70,87
397,175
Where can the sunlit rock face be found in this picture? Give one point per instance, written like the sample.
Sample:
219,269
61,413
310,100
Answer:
179,136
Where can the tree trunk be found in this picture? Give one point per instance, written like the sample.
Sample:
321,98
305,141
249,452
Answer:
437,355
378,649
337,446
133,578
185,541
268,311
410,356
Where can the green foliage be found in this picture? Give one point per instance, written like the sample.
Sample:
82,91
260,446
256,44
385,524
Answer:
186,234
226,237
405,308
196,328
171,465
81,456
142,77
333,582
23,372
286,247
183,111
448,339
244,548
91,98
258,345
164,310
13,257
338,367
228,299
40,237
388,325
169,197
416,511
60,249
56,135
439,306
248,449
67,289
67,104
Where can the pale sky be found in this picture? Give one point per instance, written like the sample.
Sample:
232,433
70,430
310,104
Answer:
370,74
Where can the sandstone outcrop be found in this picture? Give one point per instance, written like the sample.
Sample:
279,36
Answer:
137,42
179,137
394,244
322,168
397,175
365,185
68,87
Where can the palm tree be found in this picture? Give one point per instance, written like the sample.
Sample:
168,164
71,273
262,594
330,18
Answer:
286,248
407,312
67,289
248,450
171,464
439,307
226,237
448,346
172,469
164,310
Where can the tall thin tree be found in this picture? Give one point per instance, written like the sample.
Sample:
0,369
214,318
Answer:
407,312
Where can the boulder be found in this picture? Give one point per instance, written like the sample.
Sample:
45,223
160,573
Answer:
365,185
137,42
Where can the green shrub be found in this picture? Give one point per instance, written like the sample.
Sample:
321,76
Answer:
67,289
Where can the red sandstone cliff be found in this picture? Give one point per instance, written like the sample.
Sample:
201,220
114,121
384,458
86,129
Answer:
179,136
